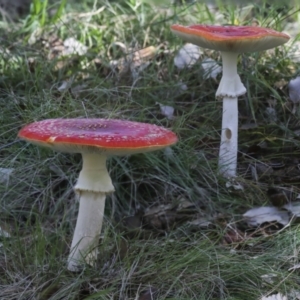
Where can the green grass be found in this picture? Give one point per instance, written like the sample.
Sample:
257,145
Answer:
181,261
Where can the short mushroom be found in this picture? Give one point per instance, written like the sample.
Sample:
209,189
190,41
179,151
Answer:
230,40
95,139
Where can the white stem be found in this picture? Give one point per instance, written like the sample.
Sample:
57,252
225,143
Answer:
229,89
93,175
93,184
87,230
229,138
230,84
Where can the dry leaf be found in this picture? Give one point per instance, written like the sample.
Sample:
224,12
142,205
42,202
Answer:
72,46
295,267
132,64
202,221
267,214
275,297
136,58
211,68
140,57
293,208
187,56
5,174
4,233
166,110
234,185
269,278
294,89
65,85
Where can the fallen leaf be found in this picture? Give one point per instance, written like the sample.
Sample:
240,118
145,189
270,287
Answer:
266,214
65,85
293,208
234,185
200,222
269,278
295,267
294,89
5,174
72,46
133,63
275,297
166,110
140,57
187,56
4,233
211,68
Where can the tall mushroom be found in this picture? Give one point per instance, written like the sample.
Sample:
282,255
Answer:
230,40
95,139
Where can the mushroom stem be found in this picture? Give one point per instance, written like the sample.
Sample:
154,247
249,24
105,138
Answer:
92,186
94,176
229,138
87,230
230,84
229,89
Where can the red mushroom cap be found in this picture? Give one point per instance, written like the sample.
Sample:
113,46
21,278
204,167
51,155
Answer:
231,38
116,137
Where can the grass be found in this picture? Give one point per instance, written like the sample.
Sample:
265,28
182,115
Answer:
160,251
